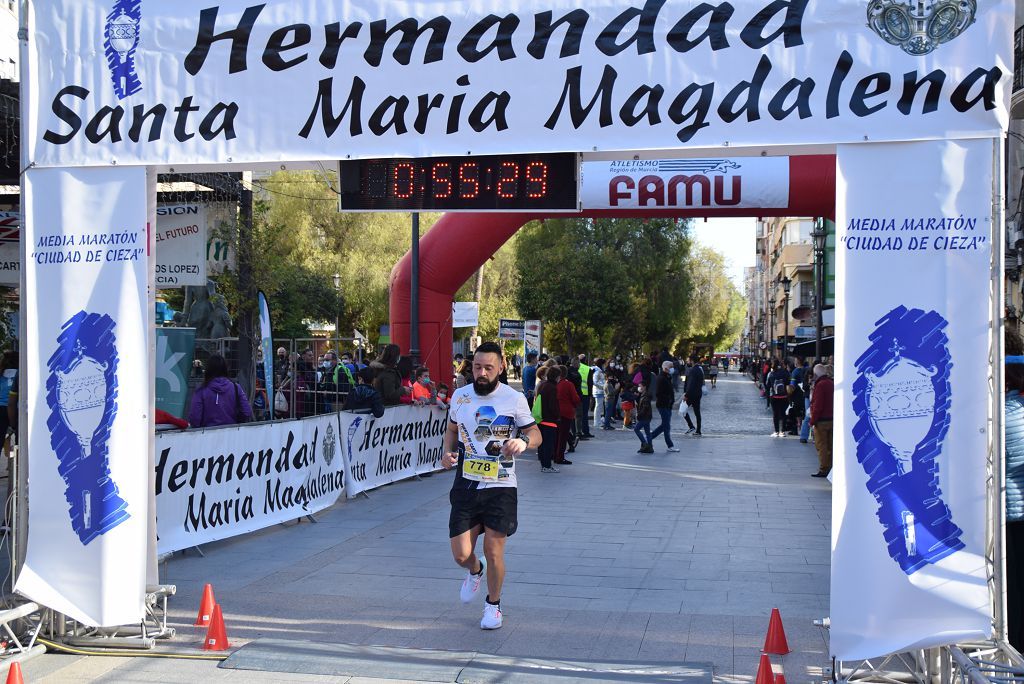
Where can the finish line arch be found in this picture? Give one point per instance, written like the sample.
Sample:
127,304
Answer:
459,243
916,119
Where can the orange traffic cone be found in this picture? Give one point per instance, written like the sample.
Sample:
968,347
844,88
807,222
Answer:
205,607
780,678
14,674
216,635
765,675
775,641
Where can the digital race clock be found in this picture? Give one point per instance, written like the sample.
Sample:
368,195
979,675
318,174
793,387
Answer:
513,182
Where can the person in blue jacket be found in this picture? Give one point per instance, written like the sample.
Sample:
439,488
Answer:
1014,445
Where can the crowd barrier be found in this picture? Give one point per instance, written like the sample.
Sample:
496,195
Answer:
216,483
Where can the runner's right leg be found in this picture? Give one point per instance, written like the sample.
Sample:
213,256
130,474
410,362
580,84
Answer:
464,547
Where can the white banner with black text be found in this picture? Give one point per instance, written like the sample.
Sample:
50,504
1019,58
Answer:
404,442
219,483
180,245
87,388
197,81
912,396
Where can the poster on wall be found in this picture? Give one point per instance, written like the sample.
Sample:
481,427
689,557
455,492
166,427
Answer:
911,402
175,351
712,183
218,483
191,82
404,442
87,390
10,249
180,245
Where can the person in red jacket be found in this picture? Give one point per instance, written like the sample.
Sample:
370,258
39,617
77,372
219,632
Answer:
568,400
821,418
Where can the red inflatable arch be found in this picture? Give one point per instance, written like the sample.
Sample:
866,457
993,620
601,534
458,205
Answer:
460,243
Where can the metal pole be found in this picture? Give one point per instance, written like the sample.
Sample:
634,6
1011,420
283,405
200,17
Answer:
414,300
997,409
819,290
785,335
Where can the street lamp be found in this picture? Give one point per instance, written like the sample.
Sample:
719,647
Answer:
337,312
819,235
786,284
771,327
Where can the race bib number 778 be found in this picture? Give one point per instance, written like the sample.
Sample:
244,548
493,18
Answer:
480,470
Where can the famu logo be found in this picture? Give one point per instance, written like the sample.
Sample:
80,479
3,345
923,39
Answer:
920,26
120,38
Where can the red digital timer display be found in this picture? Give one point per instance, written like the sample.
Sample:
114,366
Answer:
519,182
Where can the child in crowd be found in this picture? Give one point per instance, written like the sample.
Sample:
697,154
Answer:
442,395
422,390
643,419
364,398
628,396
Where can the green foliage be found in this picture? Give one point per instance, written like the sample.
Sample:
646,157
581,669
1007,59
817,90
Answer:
571,273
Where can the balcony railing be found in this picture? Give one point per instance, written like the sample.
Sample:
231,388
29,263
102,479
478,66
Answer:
1018,59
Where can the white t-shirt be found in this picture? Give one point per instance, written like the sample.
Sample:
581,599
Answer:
485,424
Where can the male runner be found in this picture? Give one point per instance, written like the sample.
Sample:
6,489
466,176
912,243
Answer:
489,425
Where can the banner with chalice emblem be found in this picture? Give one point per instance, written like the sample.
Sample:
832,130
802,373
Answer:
911,397
87,390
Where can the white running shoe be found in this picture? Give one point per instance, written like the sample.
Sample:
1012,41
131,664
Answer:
552,469
673,450
491,618
471,585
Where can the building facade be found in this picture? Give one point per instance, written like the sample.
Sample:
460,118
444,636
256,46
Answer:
1014,190
782,288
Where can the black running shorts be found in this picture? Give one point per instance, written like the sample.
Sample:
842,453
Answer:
496,508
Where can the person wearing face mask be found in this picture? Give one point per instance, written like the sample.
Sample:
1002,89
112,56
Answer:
423,392
328,387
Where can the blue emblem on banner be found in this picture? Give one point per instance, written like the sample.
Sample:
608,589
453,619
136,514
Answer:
902,400
81,391
120,38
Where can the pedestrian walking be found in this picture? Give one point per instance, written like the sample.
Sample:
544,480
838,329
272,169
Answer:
598,379
665,398
693,392
489,425
775,387
821,418
530,377
642,425
568,400
547,400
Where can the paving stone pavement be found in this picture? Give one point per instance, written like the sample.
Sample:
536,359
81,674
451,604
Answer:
660,557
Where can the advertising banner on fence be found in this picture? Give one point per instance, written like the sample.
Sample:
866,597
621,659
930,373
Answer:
406,441
219,483
180,245
87,390
10,249
175,351
911,400
719,183
192,81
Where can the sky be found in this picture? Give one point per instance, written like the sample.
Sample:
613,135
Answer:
733,237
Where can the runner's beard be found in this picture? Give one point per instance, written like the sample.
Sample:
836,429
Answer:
483,388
